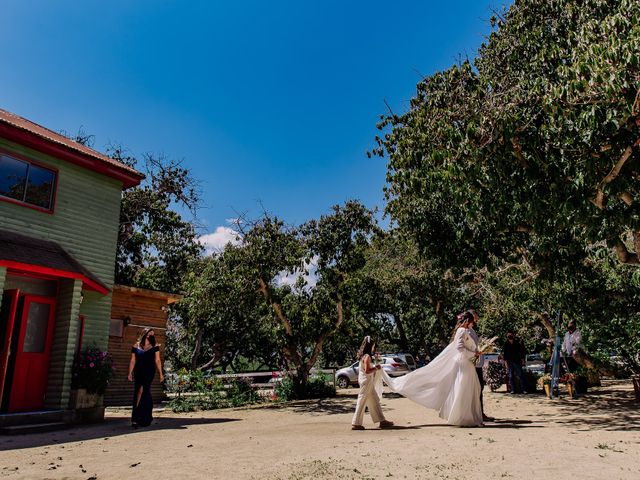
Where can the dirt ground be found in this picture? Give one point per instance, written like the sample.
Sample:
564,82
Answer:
593,437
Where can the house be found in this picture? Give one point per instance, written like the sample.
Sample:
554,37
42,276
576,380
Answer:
133,310
59,220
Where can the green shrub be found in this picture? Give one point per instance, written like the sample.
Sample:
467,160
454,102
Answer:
201,391
317,387
240,392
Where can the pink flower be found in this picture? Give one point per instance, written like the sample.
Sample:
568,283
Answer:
92,365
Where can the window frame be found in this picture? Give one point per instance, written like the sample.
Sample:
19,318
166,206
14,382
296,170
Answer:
122,327
56,173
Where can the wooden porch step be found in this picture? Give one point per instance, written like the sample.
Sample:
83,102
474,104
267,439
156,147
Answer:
33,428
36,417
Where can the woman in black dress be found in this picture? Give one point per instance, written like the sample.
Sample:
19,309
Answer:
145,360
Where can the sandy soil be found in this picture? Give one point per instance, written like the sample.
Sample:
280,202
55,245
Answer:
594,437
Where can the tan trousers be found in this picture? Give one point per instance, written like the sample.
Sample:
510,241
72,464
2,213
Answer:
368,397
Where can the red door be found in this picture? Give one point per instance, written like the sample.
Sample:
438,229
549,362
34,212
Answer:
32,356
7,320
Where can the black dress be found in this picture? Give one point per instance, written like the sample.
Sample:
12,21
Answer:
143,373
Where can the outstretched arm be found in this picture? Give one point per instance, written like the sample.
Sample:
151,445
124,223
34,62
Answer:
132,364
159,367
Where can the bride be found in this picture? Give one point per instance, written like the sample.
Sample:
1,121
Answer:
449,383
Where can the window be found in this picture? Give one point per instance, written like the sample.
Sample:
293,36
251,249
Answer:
115,327
26,182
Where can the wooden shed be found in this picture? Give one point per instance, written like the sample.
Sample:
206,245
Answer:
133,310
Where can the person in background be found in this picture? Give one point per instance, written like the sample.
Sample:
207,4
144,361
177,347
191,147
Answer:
514,355
572,342
145,361
479,363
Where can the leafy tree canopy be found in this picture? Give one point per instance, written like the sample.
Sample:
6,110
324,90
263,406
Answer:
532,148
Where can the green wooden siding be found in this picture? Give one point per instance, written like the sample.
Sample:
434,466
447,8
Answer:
85,223
64,342
3,273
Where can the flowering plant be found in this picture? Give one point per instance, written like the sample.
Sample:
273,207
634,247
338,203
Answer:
92,370
544,380
566,378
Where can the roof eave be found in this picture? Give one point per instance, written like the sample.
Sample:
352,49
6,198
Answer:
29,139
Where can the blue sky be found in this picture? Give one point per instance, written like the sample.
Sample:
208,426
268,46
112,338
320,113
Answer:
265,101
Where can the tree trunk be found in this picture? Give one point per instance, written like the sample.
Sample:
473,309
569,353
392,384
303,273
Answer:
196,349
544,319
404,343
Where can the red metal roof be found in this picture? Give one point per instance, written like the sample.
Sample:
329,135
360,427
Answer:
23,131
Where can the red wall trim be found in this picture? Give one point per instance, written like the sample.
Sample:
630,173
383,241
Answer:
25,267
24,158
23,137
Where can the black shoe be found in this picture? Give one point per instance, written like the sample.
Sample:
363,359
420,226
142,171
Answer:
487,418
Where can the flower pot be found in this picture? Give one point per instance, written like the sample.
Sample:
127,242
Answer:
80,398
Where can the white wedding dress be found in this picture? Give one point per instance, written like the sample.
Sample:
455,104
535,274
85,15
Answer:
448,384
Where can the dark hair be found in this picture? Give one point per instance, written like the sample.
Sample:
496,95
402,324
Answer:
366,347
143,336
461,319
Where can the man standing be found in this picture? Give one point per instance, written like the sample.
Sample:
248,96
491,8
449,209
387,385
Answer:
513,353
571,344
479,364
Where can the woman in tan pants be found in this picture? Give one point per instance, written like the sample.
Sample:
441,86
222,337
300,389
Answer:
368,396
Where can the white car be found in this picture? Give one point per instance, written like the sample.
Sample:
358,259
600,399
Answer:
394,366
406,358
534,363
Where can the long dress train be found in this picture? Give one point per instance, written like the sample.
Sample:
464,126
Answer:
448,384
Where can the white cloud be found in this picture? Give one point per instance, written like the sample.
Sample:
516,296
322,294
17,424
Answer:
311,277
216,241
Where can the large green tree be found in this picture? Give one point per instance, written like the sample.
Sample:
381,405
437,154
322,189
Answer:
531,149
305,276
157,237
221,315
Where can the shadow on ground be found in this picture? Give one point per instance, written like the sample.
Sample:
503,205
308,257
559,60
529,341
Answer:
327,406
111,427
610,408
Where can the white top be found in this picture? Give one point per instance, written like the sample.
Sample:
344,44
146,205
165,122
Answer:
571,342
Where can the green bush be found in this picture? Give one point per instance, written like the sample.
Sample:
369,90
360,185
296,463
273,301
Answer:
317,387
284,389
199,391
240,392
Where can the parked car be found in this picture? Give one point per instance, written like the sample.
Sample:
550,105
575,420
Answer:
534,363
393,365
492,357
406,358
